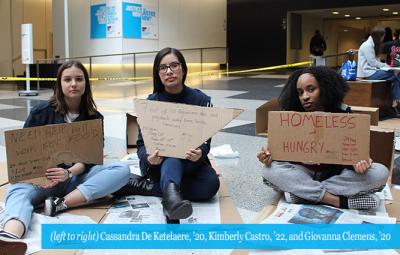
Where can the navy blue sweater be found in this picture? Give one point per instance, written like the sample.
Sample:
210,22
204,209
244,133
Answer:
187,96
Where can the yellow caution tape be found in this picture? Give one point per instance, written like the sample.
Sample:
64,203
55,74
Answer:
149,78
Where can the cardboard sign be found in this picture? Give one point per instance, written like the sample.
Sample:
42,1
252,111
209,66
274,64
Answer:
31,151
173,129
319,137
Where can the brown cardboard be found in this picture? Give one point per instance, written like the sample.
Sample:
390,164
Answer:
390,123
262,116
30,151
132,130
372,111
273,105
3,173
393,209
382,146
173,129
319,137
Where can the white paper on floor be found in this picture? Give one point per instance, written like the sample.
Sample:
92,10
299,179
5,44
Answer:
34,235
145,209
224,151
133,161
397,144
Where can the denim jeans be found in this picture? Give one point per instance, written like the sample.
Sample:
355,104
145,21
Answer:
389,76
99,181
197,181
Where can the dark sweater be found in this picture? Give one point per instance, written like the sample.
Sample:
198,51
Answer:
187,96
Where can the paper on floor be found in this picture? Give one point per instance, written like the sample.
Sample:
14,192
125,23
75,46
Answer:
224,151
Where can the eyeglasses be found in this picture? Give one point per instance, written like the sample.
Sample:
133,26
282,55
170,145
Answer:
174,66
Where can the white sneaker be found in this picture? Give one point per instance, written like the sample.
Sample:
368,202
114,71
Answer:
54,205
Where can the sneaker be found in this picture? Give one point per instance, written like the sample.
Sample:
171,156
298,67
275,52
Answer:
137,185
11,244
363,202
293,199
54,205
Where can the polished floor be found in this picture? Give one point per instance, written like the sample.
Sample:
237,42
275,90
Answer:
114,99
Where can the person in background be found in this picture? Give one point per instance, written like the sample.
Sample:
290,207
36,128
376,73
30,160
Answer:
342,186
317,44
369,65
388,35
177,180
69,185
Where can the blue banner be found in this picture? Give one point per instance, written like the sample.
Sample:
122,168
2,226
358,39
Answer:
132,20
221,236
98,21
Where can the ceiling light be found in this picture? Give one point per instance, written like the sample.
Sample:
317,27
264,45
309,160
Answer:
385,9
357,17
347,15
395,13
335,13
345,30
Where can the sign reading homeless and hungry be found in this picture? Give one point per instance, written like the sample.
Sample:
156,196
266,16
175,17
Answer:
31,151
319,137
173,129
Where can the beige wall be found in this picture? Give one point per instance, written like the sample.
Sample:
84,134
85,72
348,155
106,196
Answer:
5,42
13,13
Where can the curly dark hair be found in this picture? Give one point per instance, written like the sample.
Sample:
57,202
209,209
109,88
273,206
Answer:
332,89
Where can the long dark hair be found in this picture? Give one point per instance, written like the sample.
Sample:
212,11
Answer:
158,86
332,89
376,34
87,106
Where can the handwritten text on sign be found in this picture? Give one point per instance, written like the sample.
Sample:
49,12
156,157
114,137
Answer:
334,138
30,151
173,129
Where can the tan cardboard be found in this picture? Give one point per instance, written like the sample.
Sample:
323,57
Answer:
372,111
390,123
382,146
3,173
319,137
273,105
262,116
132,130
173,129
30,151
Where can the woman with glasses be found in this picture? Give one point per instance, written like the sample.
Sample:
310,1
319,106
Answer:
176,180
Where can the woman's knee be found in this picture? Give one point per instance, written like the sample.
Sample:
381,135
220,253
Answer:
378,174
19,190
205,191
120,167
276,170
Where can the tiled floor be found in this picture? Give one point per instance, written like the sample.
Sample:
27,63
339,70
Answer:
114,99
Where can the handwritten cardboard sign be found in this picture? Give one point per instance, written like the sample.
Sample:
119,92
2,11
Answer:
31,151
319,137
173,129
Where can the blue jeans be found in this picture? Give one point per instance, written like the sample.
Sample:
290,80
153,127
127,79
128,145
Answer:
389,76
99,181
197,181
